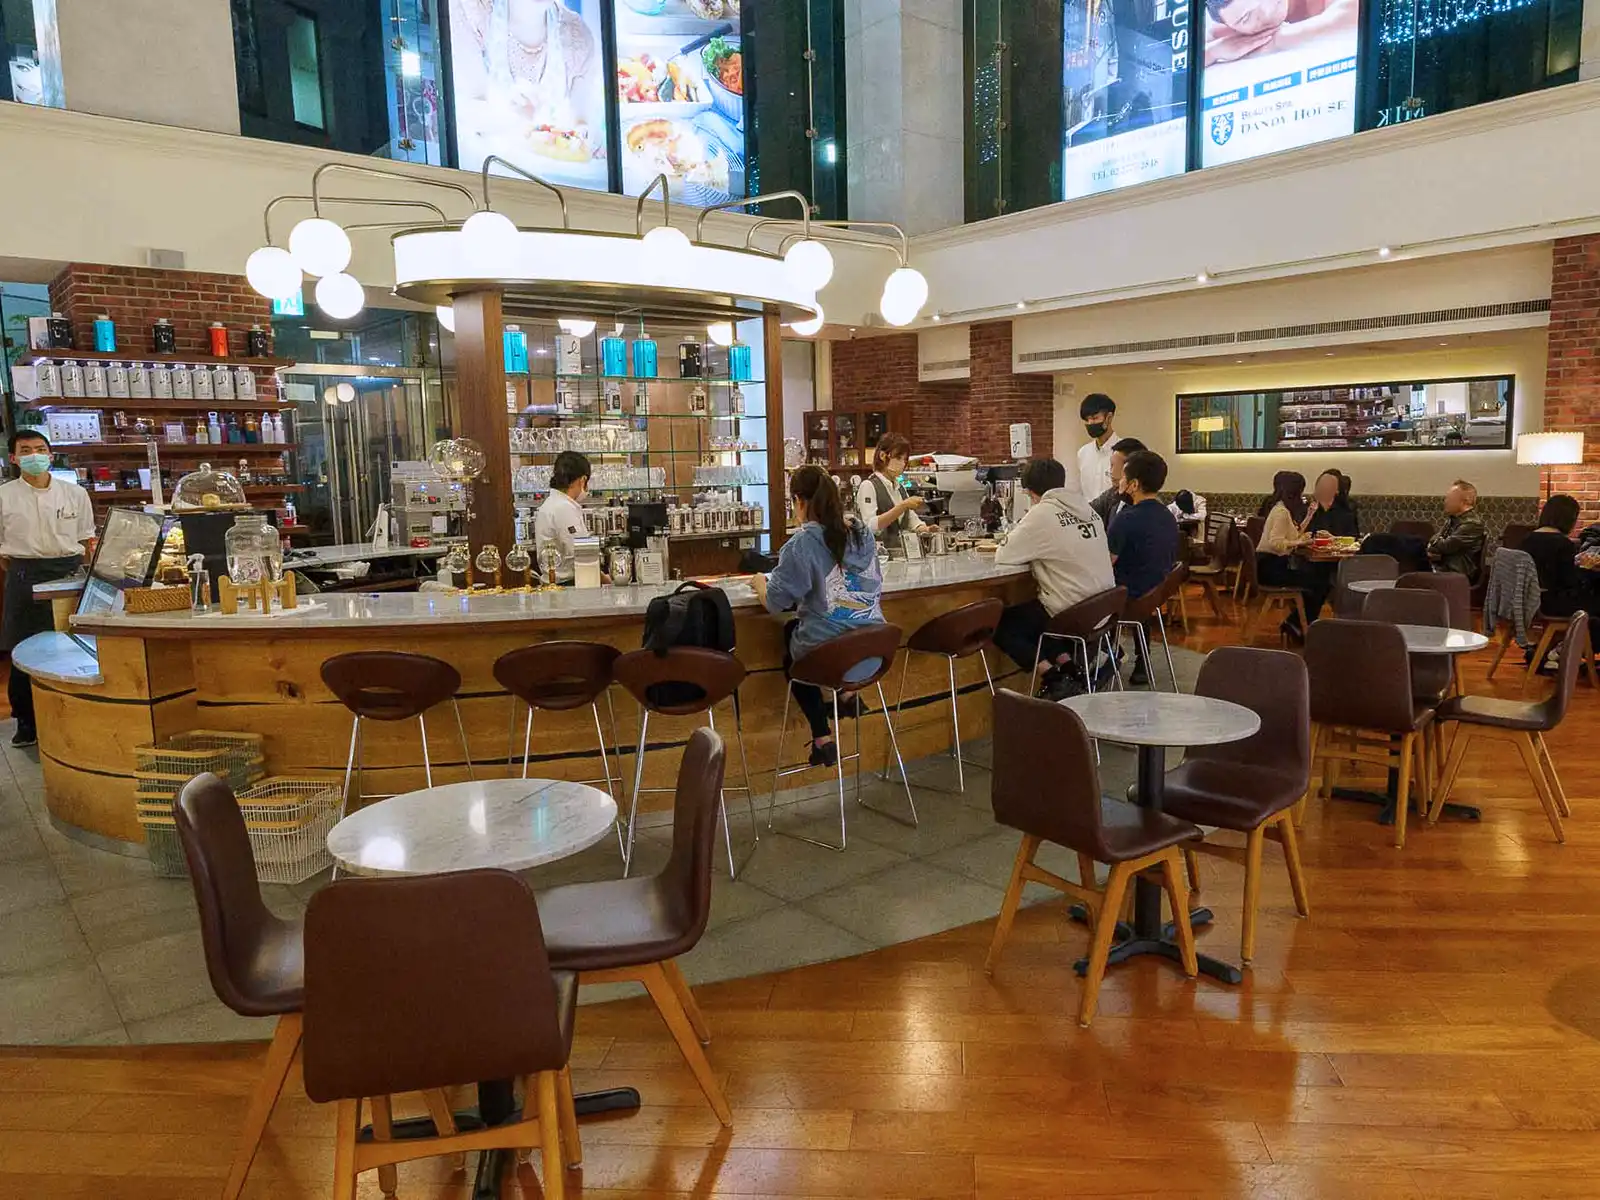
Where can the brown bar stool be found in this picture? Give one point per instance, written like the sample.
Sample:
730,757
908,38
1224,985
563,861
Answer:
1150,605
828,667
959,633
1091,620
390,685
559,677
683,682
256,960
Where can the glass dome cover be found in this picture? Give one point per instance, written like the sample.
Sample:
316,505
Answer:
207,488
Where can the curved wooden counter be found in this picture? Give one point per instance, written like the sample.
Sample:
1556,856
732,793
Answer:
162,674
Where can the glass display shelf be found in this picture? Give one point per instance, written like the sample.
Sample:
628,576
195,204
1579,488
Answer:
726,380
628,416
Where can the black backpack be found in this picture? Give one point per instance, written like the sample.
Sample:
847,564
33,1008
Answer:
692,614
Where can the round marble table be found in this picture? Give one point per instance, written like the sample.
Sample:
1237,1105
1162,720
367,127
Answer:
1367,586
509,823
1430,639
1152,721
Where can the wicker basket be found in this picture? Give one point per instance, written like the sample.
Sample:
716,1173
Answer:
235,758
289,820
154,600
165,851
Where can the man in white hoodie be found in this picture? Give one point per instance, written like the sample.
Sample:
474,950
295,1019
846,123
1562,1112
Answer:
1062,539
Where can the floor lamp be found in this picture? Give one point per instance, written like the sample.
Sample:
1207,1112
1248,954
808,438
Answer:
1550,450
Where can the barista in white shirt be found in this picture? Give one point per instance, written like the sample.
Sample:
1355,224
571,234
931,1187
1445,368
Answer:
1097,412
46,531
560,518
881,502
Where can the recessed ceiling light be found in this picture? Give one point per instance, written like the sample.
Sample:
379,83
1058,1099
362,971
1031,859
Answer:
1203,277
938,316
1444,343
1022,304
1238,360
1328,353
1161,368
1384,252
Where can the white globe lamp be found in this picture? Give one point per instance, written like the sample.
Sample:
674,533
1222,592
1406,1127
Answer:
720,332
896,308
490,237
346,393
810,326
666,253
576,327
447,316
340,296
907,285
272,271
319,246
810,264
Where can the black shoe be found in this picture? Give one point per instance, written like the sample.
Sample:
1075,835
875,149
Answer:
825,755
1292,631
24,737
1062,686
852,706
1139,678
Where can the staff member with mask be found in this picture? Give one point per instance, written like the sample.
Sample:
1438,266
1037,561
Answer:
1097,412
560,518
880,502
46,531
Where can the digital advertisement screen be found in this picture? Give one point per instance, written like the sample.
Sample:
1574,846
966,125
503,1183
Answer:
1125,81
528,84
680,97
1278,74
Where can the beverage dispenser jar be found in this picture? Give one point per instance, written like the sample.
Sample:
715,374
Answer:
516,349
644,358
613,356
253,550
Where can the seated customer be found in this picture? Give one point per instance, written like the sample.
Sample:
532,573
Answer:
1143,537
1287,515
1109,501
1064,543
1458,547
829,571
1563,587
1331,511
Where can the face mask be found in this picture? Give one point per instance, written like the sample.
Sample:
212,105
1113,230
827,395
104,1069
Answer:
33,464
1097,429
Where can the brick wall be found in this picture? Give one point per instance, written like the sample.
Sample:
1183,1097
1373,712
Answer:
134,297
1572,376
966,416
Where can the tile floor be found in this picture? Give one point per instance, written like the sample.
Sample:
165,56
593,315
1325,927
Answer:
96,950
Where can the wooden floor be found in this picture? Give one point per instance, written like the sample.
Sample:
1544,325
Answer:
1430,1031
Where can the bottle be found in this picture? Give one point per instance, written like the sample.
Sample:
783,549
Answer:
202,436
219,339
290,516
47,378
569,354
252,431
235,433
163,337
72,379
613,356
641,399
105,334
699,403
182,384
736,401
244,383
244,472
116,381
613,398
200,381
644,358
689,357
160,382
516,350
255,342
222,382
283,430
739,362
213,429
138,381
61,333
94,380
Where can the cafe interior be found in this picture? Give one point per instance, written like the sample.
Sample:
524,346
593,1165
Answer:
596,674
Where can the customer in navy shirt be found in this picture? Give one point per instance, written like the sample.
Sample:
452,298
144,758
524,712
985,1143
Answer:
1143,538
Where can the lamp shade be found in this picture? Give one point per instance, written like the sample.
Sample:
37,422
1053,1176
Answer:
1550,449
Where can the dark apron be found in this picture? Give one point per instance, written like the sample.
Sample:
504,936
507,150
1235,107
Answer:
24,616
890,537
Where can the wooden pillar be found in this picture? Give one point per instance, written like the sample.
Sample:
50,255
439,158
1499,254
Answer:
777,482
481,394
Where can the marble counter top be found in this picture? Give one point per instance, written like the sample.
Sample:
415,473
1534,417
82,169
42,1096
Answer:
57,658
353,609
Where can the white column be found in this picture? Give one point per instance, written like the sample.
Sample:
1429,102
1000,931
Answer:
166,62
903,110
1589,62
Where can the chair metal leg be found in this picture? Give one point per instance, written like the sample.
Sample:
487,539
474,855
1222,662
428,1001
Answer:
1144,655
984,659
777,760
955,721
427,767
894,745
905,666
1166,647
722,804
461,728
638,782
350,767
605,765
527,742
744,767
838,760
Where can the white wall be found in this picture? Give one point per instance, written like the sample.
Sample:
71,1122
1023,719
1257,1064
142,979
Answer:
169,62
1517,171
1147,410
799,385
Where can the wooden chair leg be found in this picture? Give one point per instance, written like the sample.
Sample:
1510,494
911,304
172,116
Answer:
1423,781
1191,862
444,1122
550,1135
1501,646
1408,757
1086,870
1013,898
1545,638
1300,610
691,1007
1291,858
1105,926
263,1098
1183,610
1551,774
1214,597
1452,768
655,982
1252,892
571,1140
1300,805
347,1126
1178,898
383,1131
1530,760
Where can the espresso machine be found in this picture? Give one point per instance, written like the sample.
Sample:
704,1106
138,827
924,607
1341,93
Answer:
1004,501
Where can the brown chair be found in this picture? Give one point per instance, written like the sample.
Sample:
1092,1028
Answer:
1271,596
829,667
1046,786
560,677
1356,569
957,634
1513,535
1211,572
1361,688
1549,629
255,960
1090,621
1456,590
1523,723
465,953
1431,674
1140,612
684,682
1417,529
634,930
390,685
1250,787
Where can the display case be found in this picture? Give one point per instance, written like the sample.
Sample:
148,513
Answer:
842,439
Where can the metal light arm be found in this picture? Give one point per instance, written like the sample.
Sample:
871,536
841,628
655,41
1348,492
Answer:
805,209
266,213
380,173
903,250
561,197
666,204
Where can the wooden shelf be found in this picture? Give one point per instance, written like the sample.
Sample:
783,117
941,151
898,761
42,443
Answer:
175,449
266,364
143,405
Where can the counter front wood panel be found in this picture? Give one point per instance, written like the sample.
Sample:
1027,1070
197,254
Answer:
269,682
